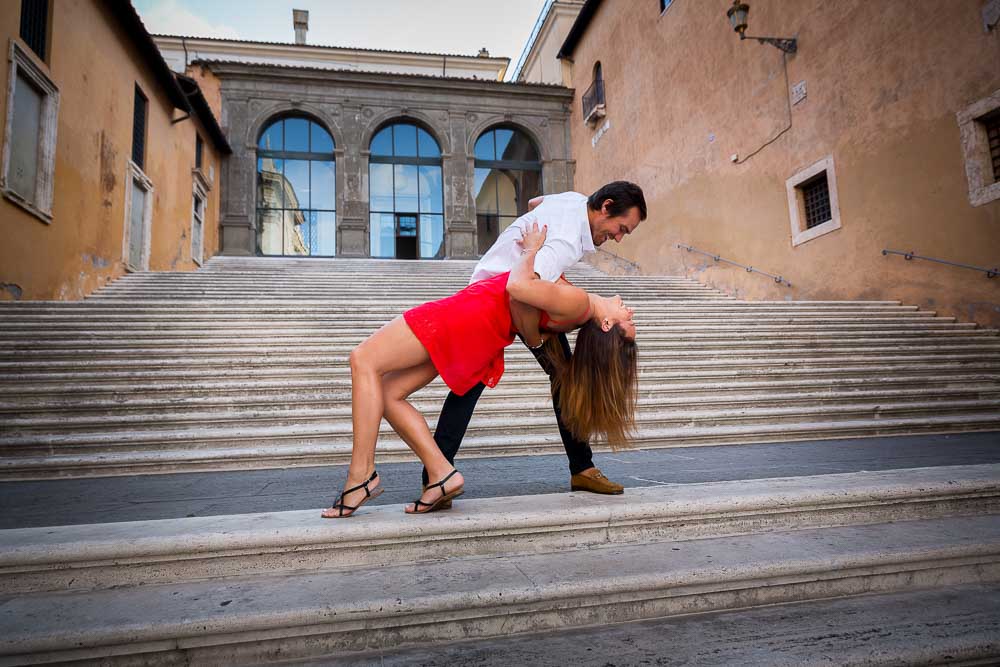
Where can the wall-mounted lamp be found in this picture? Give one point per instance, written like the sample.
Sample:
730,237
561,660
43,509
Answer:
738,18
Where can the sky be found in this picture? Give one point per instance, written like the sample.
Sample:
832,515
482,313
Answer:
439,26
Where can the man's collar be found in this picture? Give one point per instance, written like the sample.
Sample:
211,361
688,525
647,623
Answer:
587,241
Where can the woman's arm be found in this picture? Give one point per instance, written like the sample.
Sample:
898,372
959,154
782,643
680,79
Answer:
559,300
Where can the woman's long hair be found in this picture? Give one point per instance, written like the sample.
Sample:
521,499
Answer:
598,385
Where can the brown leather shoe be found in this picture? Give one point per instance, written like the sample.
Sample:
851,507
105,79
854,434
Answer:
593,480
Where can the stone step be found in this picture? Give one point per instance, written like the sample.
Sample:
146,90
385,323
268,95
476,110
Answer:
20,366
277,391
518,373
260,346
163,384
87,408
307,614
296,450
953,625
101,556
24,437
493,415
651,355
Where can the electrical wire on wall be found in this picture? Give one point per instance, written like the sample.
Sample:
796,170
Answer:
788,101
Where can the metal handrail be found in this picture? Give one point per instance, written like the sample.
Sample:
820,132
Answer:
749,269
990,273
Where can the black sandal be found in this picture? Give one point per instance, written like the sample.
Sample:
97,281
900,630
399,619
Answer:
446,497
339,505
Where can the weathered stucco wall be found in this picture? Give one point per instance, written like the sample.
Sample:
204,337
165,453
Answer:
95,67
884,84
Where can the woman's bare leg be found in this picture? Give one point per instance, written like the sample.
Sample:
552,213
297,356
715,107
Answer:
411,426
394,347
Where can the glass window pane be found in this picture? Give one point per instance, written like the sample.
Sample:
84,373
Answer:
270,183
406,187
430,190
271,139
431,237
297,184
484,147
26,131
507,191
296,233
296,134
320,140
427,146
269,231
323,184
382,234
380,187
324,241
406,225
520,148
503,138
404,140
382,142
485,191
529,187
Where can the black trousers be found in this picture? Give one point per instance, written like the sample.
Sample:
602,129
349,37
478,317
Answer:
457,413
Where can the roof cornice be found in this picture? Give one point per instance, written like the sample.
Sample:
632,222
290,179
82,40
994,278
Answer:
257,71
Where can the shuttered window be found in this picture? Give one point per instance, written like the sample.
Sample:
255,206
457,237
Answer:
34,24
139,129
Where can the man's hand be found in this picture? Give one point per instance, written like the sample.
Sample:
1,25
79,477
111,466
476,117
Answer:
532,238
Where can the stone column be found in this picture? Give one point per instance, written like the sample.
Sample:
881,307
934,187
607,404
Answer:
459,206
238,177
352,187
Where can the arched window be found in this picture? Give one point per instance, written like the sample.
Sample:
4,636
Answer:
296,189
508,175
405,194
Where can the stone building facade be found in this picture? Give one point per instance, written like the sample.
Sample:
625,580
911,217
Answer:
353,107
882,117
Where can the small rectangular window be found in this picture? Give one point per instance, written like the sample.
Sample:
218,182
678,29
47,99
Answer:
992,125
816,200
198,148
139,129
34,24
28,170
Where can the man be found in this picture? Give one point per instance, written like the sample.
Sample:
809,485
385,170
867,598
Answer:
576,225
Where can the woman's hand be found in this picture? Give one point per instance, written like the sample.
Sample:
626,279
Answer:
532,238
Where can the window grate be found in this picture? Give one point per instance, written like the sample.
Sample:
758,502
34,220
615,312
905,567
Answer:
992,124
816,200
34,24
139,129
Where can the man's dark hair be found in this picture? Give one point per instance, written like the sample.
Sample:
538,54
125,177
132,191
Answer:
623,196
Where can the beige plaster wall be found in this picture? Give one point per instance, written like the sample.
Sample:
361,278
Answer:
95,66
884,81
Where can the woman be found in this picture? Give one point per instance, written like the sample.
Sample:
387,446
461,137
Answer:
462,338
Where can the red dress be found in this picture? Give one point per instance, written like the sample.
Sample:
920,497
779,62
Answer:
466,333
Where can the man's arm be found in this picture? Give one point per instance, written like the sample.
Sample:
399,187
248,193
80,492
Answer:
535,201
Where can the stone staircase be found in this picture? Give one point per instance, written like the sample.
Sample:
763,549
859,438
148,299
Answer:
243,365
289,586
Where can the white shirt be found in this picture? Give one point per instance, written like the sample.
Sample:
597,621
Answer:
567,240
